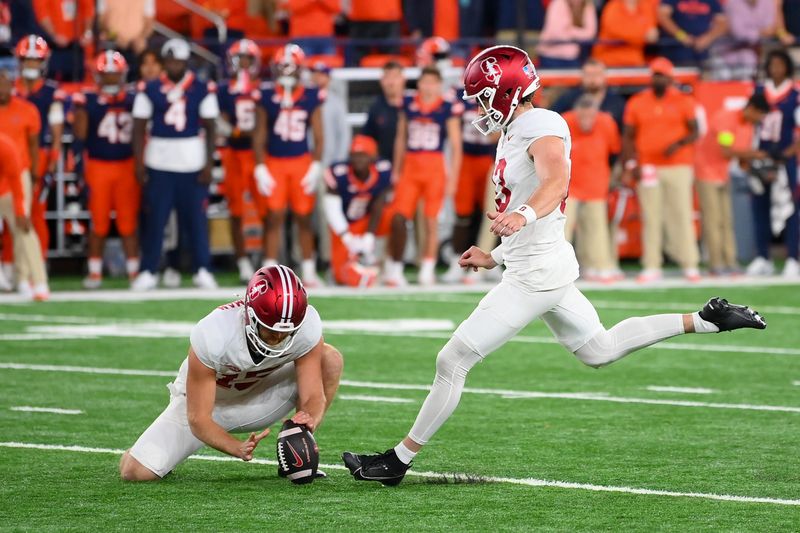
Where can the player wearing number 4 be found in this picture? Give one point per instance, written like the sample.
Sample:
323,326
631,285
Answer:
175,169
531,182
103,125
237,101
290,174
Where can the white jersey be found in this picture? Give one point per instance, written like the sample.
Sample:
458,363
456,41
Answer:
537,257
219,342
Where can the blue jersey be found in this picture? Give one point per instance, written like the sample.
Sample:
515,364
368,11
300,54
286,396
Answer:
176,106
776,132
240,110
358,196
475,143
110,124
427,123
288,119
43,97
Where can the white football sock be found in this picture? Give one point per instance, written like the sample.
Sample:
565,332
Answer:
427,266
95,266
404,454
269,263
703,326
309,268
132,266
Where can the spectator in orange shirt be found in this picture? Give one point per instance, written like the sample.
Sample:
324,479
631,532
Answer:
19,124
595,141
311,24
634,23
729,136
371,19
658,151
68,27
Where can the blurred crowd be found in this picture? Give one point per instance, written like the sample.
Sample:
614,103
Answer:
411,185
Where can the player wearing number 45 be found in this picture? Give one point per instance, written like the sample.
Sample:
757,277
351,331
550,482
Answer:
531,182
250,363
103,125
290,174
175,168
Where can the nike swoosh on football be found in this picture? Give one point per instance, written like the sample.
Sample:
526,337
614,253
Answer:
298,461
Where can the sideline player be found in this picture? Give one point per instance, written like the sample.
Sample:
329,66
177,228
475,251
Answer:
355,207
290,174
103,125
531,179
238,98
250,363
429,117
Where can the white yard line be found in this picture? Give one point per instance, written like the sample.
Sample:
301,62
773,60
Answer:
53,410
365,398
530,482
585,396
230,293
796,383
682,390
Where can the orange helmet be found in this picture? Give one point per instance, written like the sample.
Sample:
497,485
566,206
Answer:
244,47
33,47
110,62
432,51
288,60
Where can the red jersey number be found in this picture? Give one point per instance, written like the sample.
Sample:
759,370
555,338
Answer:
502,195
243,380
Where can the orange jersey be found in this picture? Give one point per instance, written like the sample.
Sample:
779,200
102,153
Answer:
19,119
619,23
11,174
370,10
69,17
591,173
726,128
312,18
659,122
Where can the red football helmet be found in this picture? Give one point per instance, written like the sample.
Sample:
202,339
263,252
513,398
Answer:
106,65
276,300
432,52
499,77
33,47
288,60
244,47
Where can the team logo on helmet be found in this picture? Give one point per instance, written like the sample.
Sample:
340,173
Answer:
492,70
258,289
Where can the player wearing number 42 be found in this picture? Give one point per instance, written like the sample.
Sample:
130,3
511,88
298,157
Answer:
175,167
250,363
531,181
103,125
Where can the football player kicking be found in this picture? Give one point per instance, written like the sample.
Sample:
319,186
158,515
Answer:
531,179
250,363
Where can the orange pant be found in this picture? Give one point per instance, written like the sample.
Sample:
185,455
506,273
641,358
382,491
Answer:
423,178
288,173
239,165
471,189
113,187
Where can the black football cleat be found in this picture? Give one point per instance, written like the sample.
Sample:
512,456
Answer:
727,316
384,467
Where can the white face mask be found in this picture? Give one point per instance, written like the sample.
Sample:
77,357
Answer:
31,73
110,89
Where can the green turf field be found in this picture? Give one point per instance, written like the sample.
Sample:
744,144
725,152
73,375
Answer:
734,435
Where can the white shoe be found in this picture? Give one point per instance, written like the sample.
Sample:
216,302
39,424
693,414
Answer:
650,275
92,282
246,269
8,272
791,269
5,284
455,274
760,267
41,292
395,280
426,278
171,278
692,275
25,289
204,279
144,281
312,281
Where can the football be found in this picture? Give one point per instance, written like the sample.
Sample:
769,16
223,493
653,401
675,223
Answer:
298,454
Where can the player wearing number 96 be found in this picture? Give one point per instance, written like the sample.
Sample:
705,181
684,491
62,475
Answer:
103,125
176,166
250,363
290,173
531,180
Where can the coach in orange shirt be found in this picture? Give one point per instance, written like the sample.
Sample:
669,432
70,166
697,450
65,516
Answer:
595,139
19,126
658,151
729,136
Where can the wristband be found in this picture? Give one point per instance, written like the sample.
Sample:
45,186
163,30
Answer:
527,211
681,35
